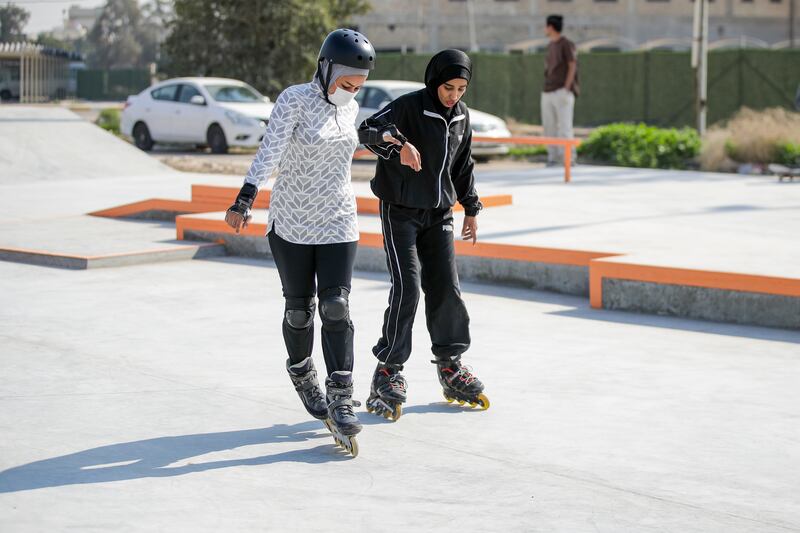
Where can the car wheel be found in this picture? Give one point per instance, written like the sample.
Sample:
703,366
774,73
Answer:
141,136
216,140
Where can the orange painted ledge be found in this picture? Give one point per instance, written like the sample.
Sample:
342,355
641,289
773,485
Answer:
599,269
223,197
594,261
209,198
375,240
153,204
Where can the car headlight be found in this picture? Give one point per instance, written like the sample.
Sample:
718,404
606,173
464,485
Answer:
240,120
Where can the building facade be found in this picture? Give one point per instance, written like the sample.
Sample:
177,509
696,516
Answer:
499,25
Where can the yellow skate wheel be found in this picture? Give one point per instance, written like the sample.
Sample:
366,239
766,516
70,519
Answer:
460,402
370,409
448,398
398,412
353,447
484,401
386,414
473,404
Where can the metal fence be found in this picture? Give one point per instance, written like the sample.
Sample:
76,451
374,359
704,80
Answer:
113,85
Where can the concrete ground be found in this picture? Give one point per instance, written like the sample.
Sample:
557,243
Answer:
154,398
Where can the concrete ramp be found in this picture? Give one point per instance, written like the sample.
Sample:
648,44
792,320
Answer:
85,242
48,144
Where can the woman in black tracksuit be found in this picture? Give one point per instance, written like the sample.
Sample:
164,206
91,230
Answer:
425,165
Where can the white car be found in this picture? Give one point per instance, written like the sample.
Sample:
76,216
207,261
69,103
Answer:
374,95
214,112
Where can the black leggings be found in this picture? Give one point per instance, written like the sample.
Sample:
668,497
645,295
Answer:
325,270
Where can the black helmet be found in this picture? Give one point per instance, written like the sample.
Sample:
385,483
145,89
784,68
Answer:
348,48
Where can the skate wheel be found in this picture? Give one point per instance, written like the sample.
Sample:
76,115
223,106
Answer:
448,398
461,402
353,448
386,414
484,401
473,404
370,409
398,412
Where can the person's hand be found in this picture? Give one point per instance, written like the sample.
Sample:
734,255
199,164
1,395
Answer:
409,156
470,229
236,220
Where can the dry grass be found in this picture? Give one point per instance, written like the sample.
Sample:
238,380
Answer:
749,137
713,156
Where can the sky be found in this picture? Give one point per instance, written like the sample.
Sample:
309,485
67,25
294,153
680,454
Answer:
47,14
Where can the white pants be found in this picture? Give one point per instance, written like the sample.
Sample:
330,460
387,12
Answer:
557,110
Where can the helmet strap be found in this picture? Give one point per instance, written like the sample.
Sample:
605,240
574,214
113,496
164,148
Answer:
325,79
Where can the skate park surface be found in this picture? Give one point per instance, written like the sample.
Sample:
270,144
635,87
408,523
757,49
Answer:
153,396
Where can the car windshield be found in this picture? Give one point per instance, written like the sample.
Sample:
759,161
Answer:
234,93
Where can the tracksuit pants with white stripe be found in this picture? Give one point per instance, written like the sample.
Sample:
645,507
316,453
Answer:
419,248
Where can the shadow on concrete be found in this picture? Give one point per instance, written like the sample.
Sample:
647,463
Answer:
369,419
722,209
683,324
152,457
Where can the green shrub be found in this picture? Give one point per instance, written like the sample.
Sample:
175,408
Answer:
109,120
788,153
640,145
527,151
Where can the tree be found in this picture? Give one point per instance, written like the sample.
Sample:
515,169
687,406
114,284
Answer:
156,17
268,43
12,23
49,41
125,36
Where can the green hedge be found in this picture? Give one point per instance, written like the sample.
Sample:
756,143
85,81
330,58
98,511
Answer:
109,120
788,154
639,145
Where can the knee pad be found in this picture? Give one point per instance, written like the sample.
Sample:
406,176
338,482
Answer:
334,305
299,313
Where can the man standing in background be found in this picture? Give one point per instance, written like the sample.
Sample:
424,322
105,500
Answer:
560,88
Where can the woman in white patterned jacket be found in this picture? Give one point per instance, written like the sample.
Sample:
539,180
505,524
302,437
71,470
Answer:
313,228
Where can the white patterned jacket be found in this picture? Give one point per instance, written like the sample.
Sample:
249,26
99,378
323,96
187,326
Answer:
311,143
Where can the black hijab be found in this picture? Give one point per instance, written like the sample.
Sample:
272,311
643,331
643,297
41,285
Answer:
445,66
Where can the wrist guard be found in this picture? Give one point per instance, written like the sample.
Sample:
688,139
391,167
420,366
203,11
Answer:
373,136
244,200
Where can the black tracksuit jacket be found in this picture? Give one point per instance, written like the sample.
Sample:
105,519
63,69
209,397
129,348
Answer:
445,146
417,222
